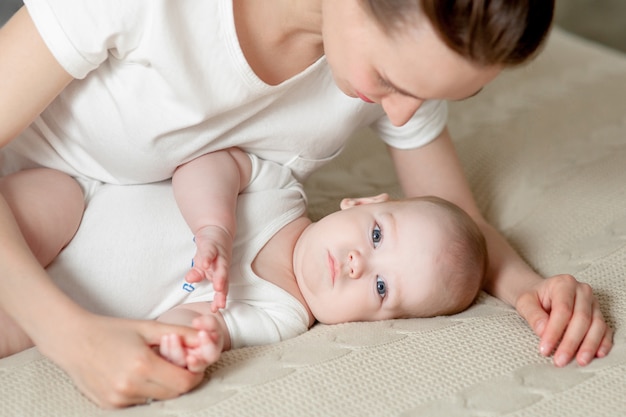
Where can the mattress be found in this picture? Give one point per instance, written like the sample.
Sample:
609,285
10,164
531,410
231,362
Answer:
544,148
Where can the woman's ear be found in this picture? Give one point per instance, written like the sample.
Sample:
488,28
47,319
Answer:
351,202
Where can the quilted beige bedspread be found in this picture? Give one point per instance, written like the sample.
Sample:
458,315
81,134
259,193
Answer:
544,148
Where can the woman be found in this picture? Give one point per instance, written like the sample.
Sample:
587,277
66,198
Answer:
124,92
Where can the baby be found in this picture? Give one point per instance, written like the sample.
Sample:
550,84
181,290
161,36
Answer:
375,259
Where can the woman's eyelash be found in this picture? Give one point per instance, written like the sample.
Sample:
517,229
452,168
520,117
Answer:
386,84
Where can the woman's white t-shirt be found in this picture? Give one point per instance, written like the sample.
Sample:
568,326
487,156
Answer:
160,82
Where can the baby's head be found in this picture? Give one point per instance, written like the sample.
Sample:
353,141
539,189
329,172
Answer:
378,259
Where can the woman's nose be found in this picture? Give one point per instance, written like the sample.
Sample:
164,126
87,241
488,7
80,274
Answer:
355,265
400,108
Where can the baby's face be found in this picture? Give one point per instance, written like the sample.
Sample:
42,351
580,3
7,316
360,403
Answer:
371,262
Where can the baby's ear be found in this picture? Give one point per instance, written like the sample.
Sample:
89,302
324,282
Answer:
351,202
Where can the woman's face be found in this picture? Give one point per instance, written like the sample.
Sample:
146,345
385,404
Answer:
398,72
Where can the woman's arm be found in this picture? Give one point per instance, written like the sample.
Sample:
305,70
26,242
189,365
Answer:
558,308
110,360
30,76
436,169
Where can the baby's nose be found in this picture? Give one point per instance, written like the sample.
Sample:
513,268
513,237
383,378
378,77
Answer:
355,264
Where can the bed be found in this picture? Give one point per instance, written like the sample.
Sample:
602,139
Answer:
544,148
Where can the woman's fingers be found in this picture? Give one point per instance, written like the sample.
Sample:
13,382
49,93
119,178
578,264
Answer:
565,314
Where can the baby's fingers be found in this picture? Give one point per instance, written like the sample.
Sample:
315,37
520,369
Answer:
220,275
219,302
171,349
194,275
207,322
207,353
220,285
210,345
195,364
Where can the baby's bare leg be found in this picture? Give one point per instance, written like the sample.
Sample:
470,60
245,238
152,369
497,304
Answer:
48,206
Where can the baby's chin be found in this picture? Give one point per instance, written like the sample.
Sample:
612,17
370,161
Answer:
324,320
325,317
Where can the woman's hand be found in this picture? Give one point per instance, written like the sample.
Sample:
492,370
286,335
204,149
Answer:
562,311
112,361
566,315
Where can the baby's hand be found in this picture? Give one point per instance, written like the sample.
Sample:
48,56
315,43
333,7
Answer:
196,359
214,247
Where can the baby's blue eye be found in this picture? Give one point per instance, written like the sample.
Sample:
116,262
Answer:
381,287
377,235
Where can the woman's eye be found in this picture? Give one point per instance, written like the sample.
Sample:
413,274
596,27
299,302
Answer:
381,287
377,235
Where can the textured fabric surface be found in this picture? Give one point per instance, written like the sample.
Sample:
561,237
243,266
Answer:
544,148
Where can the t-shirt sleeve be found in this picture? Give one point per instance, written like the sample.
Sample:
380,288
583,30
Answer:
425,125
264,322
83,34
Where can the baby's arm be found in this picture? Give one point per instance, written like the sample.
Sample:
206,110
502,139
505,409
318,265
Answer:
206,191
213,336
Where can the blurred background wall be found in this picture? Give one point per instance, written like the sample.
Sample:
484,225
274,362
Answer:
603,21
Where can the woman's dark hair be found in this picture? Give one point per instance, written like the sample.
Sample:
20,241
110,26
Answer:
486,32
